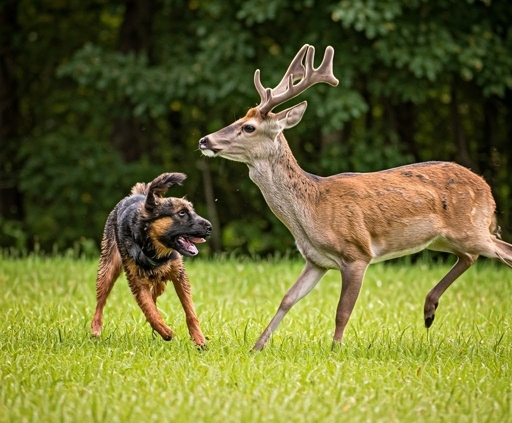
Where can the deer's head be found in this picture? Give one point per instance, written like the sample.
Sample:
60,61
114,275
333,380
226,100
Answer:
255,135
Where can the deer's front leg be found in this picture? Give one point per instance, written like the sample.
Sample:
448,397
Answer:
307,280
352,275
183,290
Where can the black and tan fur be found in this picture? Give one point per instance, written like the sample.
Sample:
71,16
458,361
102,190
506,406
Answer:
146,235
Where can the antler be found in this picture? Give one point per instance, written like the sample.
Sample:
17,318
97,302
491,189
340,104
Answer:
304,72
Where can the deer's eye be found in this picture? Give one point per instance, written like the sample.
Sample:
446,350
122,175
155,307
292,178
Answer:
248,128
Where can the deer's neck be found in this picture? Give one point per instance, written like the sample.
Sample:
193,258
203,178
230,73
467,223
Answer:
287,189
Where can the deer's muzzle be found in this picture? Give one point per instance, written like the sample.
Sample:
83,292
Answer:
205,147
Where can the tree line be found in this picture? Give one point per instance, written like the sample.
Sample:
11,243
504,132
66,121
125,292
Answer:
98,95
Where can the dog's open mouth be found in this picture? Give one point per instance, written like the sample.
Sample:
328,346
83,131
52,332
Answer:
186,245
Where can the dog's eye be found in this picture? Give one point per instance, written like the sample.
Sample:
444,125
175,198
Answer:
248,128
182,213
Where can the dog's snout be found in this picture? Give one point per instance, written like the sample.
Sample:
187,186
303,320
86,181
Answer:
207,226
203,142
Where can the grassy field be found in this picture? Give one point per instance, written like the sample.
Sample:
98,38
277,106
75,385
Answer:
388,370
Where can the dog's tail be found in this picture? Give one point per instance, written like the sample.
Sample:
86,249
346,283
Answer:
158,187
140,188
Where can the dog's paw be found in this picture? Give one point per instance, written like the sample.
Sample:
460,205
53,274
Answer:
200,341
202,347
166,335
96,329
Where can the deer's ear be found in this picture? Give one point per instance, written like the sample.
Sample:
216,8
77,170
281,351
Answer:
290,117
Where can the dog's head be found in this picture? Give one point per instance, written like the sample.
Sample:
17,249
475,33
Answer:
171,223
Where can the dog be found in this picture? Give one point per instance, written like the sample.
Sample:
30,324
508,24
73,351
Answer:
146,234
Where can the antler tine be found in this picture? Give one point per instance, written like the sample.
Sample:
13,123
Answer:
296,70
324,72
305,72
259,86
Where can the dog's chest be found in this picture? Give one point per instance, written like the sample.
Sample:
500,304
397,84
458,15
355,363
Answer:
171,269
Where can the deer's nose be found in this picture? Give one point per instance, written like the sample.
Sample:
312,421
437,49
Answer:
203,142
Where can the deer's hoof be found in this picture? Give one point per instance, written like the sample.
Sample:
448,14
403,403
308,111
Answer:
429,321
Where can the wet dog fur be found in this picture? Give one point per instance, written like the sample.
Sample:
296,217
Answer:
146,235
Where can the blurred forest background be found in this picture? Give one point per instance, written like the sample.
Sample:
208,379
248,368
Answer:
97,95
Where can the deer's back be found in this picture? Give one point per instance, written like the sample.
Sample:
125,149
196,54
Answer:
406,207
444,187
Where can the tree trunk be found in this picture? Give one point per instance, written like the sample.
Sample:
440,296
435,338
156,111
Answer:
406,127
462,155
11,205
401,119
211,207
135,35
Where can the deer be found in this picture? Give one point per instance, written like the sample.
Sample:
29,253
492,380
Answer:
347,221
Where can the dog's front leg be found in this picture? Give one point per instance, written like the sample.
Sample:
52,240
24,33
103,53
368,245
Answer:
144,298
183,290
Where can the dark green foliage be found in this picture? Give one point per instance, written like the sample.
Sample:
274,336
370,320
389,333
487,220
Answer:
106,99
72,183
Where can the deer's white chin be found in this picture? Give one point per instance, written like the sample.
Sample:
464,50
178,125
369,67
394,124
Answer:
208,153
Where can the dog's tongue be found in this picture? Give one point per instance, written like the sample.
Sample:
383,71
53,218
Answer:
188,244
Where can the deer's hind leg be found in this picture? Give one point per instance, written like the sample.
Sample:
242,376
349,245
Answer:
464,262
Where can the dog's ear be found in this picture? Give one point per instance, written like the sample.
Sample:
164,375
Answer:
159,187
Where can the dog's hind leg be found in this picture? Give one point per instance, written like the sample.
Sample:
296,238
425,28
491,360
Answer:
183,290
144,297
109,269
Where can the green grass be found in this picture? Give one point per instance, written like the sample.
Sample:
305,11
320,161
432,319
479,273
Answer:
388,370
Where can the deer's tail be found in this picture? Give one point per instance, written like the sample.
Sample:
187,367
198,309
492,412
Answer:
503,251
